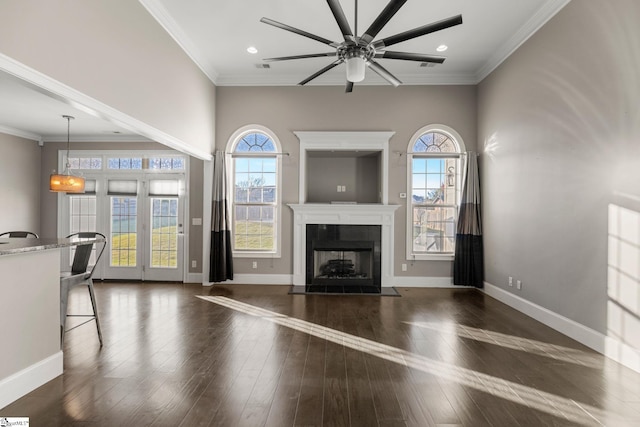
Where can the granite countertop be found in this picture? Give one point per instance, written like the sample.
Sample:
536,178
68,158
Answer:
19,245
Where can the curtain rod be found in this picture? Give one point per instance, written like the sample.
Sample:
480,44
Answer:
262,154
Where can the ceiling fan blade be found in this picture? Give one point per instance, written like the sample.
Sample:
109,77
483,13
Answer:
407,56
417,32
392,7
382,72
297,31
319,73
338,14
311,55
349,87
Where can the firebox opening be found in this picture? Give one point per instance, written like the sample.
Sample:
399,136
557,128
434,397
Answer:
343,258
353,265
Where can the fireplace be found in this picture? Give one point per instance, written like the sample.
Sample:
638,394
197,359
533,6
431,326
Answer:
337,252
343,258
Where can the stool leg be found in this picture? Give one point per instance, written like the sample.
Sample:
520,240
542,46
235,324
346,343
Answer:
64,299
95,309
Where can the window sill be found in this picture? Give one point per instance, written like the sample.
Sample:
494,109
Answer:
244,254
430,257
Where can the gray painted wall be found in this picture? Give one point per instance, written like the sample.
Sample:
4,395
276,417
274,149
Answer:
403,110
559,132
115,52
20,193
359,176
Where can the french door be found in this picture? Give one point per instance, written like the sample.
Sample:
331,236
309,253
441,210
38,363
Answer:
142,217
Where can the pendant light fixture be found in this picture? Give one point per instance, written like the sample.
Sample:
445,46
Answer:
66,182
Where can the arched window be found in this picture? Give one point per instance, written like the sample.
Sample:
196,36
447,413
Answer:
434,179
255,177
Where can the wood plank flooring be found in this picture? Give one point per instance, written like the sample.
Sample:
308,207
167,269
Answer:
232,355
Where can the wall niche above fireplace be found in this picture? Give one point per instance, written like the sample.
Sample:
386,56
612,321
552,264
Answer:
357,172
355,161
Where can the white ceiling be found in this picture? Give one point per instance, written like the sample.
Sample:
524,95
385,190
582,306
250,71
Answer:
216,34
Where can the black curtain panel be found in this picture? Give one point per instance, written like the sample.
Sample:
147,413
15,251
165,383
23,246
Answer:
468,267
221,262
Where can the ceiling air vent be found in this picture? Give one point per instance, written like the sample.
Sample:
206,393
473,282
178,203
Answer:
263,66
427,64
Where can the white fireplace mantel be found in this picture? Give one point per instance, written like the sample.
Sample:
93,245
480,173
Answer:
359,214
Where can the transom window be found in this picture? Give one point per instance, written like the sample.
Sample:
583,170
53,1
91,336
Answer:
255,181
434,157
76,163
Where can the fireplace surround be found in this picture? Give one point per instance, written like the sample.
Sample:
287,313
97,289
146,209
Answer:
380,215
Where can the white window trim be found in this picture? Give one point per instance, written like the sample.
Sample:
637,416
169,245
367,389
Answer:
101,176
455,136
231,145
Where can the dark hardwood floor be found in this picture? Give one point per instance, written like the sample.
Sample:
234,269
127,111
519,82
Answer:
184,355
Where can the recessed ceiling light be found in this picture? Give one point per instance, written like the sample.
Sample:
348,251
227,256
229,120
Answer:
252,50
442,48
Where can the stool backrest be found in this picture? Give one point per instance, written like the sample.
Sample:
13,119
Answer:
83,252
19,234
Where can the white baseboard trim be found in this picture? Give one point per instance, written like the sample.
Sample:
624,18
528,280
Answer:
257,279
610,347
25,381
194,278
622,353
287,279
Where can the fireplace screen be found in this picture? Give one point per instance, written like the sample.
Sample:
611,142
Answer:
342,264
343,258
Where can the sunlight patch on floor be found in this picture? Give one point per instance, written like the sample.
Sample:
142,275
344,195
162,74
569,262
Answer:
539,400
539,348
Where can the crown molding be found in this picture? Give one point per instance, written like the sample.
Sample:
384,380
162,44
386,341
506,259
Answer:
20,133
542,16
163,17
292,79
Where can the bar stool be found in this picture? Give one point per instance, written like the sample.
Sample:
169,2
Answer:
80,275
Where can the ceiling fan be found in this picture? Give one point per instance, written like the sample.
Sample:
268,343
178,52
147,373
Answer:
359,52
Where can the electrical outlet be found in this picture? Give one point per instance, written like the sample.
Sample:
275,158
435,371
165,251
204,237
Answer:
510,281
194,263
339,190
404,267
255,264
519,284
344,188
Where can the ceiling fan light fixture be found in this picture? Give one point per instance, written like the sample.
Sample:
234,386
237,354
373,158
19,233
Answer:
355,67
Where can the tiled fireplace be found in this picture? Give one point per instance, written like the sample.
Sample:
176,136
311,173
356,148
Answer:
344,247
